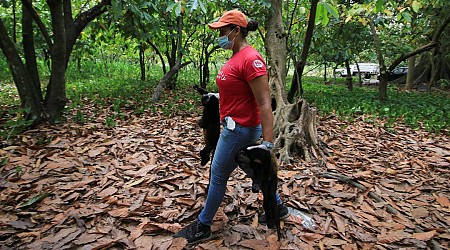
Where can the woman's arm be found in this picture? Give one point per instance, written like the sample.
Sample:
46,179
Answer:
261,91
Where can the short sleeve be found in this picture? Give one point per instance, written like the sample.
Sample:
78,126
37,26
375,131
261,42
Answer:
254,66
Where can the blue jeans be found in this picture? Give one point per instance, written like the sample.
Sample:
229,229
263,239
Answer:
223,164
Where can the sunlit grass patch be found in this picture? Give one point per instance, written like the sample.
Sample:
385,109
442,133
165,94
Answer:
414,109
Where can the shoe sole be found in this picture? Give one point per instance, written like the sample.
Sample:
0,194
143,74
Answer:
198,241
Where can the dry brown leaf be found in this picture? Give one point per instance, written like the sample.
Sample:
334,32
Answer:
443,201
420,212
333,242
425,236
178,244
169,214
29,234
186,201
251,199
86,238
144,242
107,192
210,245
311,237
340,223
392,236
155,199
254,244
94,152
274,244
120,212
137,231
166,226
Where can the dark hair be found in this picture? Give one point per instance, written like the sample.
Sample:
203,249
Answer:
251,26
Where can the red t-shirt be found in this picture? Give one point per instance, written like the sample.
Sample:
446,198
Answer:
236,96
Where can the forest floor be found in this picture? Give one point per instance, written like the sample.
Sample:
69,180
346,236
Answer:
85,186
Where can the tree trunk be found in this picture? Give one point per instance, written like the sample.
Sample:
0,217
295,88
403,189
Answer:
30,99
65,32
29,50
163,82
409,76
295,122
384,74
349,75
296,87
55,98
205,66
359,75
142,61
14,21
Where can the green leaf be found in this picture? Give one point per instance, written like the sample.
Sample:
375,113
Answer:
332,10
379,6
3,161
325,19
170,6
194,6
116,9
407,16
320,12
33,200
178,10
202,6
416,6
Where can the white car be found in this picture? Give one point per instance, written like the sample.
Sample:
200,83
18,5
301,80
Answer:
366,69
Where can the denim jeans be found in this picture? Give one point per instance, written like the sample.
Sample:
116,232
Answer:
223,164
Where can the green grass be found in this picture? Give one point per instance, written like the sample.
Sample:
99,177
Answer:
414,109
115,90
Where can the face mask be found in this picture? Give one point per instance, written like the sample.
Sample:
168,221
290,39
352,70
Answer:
224,43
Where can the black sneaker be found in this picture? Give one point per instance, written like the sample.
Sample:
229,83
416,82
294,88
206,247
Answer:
195,232
283,213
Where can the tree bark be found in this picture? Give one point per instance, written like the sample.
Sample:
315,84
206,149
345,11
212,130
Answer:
349,77
384,74
295,130
296,87
60,46
29,50
163,82
55,98
142,61
27,92
409,76
75,27
205,66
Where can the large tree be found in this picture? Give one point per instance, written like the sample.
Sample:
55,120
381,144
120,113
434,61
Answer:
295,121
65,29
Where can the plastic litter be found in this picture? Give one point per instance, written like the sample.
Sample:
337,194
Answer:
307,221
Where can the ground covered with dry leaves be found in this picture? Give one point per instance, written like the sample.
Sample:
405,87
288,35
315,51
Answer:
131,187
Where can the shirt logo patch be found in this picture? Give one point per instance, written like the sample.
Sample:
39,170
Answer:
258,64
221,76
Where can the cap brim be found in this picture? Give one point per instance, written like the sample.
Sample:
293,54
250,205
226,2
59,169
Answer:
217,25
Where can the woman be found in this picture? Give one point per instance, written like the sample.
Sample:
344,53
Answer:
245,110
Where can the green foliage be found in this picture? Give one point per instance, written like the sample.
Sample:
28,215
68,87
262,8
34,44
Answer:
33,200
416,110
14,123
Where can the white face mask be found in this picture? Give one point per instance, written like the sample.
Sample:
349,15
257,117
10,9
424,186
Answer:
224,43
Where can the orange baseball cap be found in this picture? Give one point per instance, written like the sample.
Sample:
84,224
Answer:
230,17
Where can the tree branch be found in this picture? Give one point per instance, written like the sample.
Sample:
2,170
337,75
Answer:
85,17
403,57
39,23
429,46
